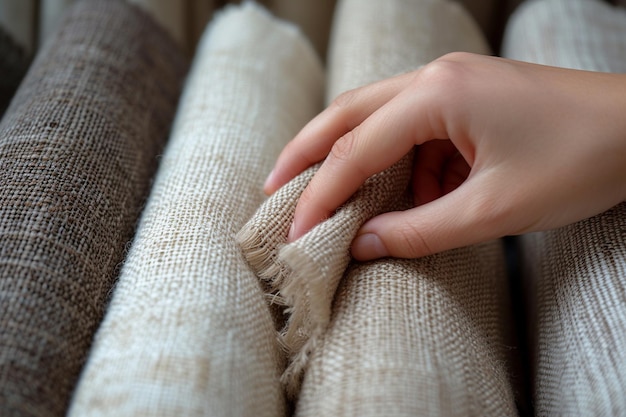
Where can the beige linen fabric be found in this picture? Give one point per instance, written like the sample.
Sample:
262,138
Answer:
576,275
188,331
403,337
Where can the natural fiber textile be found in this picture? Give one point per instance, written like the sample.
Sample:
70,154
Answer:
78,147
369,363
576,276
188,331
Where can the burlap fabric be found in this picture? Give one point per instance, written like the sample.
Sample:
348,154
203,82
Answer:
576,275
78,147
403,337
188,331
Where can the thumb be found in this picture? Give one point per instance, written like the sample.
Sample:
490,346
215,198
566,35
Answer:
463,217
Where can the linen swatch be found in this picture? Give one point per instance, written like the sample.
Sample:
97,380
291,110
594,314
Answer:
188,331
378,350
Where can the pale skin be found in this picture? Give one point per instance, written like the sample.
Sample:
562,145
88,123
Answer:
505,148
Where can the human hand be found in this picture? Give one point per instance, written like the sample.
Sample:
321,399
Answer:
521,148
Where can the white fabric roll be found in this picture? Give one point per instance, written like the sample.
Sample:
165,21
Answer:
188,331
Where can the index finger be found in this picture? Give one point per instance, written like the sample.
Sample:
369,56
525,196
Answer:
313,143
377,143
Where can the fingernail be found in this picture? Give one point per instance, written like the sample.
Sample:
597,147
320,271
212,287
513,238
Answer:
292,232
368,246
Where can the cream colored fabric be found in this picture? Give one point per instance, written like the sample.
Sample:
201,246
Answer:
313,16
404,337
188,331
50,12
580,34
17,18
170,14
576,276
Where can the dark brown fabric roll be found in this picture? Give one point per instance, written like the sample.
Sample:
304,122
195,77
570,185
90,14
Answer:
78,147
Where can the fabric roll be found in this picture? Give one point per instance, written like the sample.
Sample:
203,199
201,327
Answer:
50,13
313,16
18,20
188,331
379,349
170,14
575,276
580,34
78,147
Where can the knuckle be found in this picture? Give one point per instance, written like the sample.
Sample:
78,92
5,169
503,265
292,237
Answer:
343,148
345,99
410,242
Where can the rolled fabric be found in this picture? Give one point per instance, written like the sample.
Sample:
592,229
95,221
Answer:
575,276
78,147
170,14
18,20
188,331
362,360
50,13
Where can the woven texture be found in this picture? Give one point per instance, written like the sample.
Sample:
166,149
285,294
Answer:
188,331
382,354
78,146
576,275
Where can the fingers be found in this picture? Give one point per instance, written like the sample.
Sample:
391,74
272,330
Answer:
316,139
376,144
463,217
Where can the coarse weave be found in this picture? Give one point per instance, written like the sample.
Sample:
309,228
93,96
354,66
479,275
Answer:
576,275
78,147
188,331
403,337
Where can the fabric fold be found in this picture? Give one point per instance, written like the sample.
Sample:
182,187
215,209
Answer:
78,147
305,274
188,331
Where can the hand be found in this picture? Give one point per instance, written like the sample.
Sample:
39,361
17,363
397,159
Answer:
521,148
